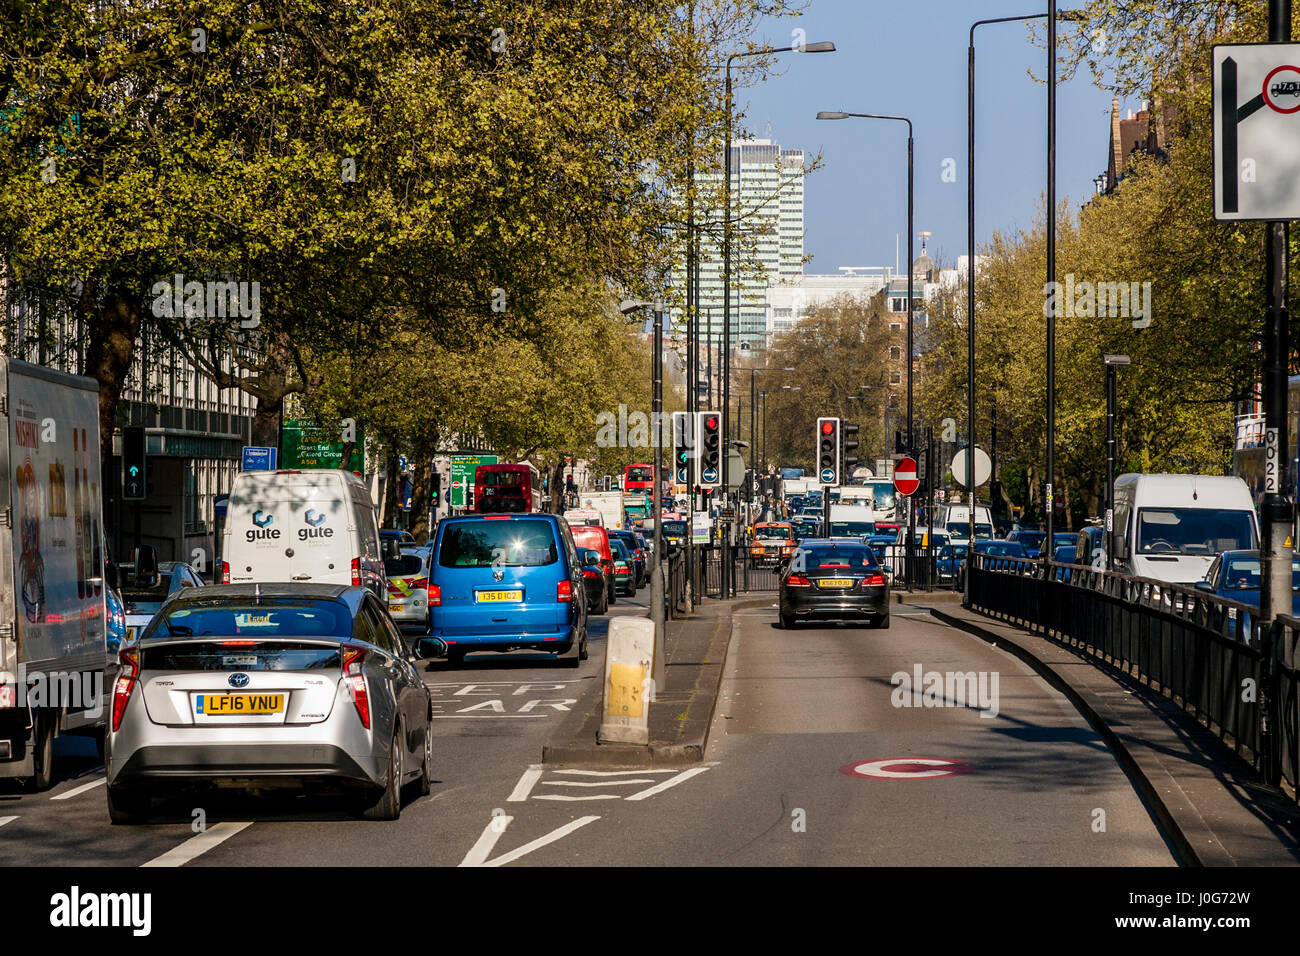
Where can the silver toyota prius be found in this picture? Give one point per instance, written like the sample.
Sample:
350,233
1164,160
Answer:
260,686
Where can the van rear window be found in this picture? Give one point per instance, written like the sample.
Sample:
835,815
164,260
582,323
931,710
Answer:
497,543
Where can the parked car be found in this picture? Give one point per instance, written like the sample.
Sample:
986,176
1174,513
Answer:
596,538
639,554
506,581
269,685
827,579
1065,554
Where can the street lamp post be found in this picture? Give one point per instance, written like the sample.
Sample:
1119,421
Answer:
1112,362
823,46
911,231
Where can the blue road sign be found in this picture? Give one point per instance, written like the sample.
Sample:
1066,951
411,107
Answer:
259,459
710,475
828,474
220,503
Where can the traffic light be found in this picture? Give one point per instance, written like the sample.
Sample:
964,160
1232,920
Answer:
899,448
435,488
828,451
683,442
709,449
134,464
848,445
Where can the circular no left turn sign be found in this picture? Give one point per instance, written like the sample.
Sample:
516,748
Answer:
906,768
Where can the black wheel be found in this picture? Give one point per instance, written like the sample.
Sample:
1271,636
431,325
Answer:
387,803
42,753
583,652
787,621
882,622
455,657
426,769
613,593
126,806
573,656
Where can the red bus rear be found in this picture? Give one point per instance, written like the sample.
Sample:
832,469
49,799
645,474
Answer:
507,488
639,478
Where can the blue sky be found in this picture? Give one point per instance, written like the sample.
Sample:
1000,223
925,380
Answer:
908,57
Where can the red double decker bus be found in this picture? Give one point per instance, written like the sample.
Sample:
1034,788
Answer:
507,488
639,478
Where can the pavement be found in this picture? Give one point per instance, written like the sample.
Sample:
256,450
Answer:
1211,804
681,713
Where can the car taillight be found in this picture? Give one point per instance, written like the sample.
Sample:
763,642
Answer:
873,581
225,572
129,658
435,596
564,591
797,581
356,572
353,658
588,573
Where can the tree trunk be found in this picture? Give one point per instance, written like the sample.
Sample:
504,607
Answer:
388,513
557,487
266,420
420,498
114,330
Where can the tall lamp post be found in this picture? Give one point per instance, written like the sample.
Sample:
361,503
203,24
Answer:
1112,362
822,46
911,232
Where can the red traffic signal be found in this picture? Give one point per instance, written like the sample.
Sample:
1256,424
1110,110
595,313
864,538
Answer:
828,427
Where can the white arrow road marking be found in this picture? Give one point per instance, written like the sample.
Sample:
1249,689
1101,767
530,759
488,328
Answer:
478,853
196,846
525,784
670,782
542,841
4,820
81,789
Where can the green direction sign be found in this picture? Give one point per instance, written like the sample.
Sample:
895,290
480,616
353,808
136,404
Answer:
305,444
462,476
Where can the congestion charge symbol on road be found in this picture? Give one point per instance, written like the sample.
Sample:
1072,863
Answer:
906,768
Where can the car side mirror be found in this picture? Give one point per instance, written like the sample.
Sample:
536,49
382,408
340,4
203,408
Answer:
430,647
1205,586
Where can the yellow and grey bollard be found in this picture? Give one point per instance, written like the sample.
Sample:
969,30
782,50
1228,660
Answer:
629,661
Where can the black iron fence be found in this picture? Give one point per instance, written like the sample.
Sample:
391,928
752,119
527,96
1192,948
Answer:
1201,650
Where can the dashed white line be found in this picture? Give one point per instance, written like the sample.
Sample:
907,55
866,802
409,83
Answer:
525,784
196,846
81,789
4,820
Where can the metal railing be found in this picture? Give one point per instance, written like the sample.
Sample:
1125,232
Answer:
1197,648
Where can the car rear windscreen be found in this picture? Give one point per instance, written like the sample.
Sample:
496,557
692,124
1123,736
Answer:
860,559
240,656
495,543
228,618
404,566
846,529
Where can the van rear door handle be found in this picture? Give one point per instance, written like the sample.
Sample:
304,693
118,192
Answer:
301,577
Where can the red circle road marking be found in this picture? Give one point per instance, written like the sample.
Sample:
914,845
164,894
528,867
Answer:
1269,79
906,768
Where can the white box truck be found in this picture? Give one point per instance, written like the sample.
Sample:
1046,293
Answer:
54,657
608,503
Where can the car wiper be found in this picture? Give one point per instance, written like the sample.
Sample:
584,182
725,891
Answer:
179,630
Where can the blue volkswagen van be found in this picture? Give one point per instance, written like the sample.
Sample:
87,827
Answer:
499,582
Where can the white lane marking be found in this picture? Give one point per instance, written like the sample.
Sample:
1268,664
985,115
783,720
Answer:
4,820
81,789
478,853
541,841
196,846
671,782
594,783
525,785
558,796
611,773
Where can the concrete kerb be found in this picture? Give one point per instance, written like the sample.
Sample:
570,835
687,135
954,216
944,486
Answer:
693,686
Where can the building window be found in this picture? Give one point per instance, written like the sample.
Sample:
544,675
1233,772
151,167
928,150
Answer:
898,304
895,378
895,326
895,353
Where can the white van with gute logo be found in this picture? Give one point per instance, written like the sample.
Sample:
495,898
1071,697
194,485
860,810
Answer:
310,527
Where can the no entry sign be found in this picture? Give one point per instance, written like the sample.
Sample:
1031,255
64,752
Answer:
905,480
